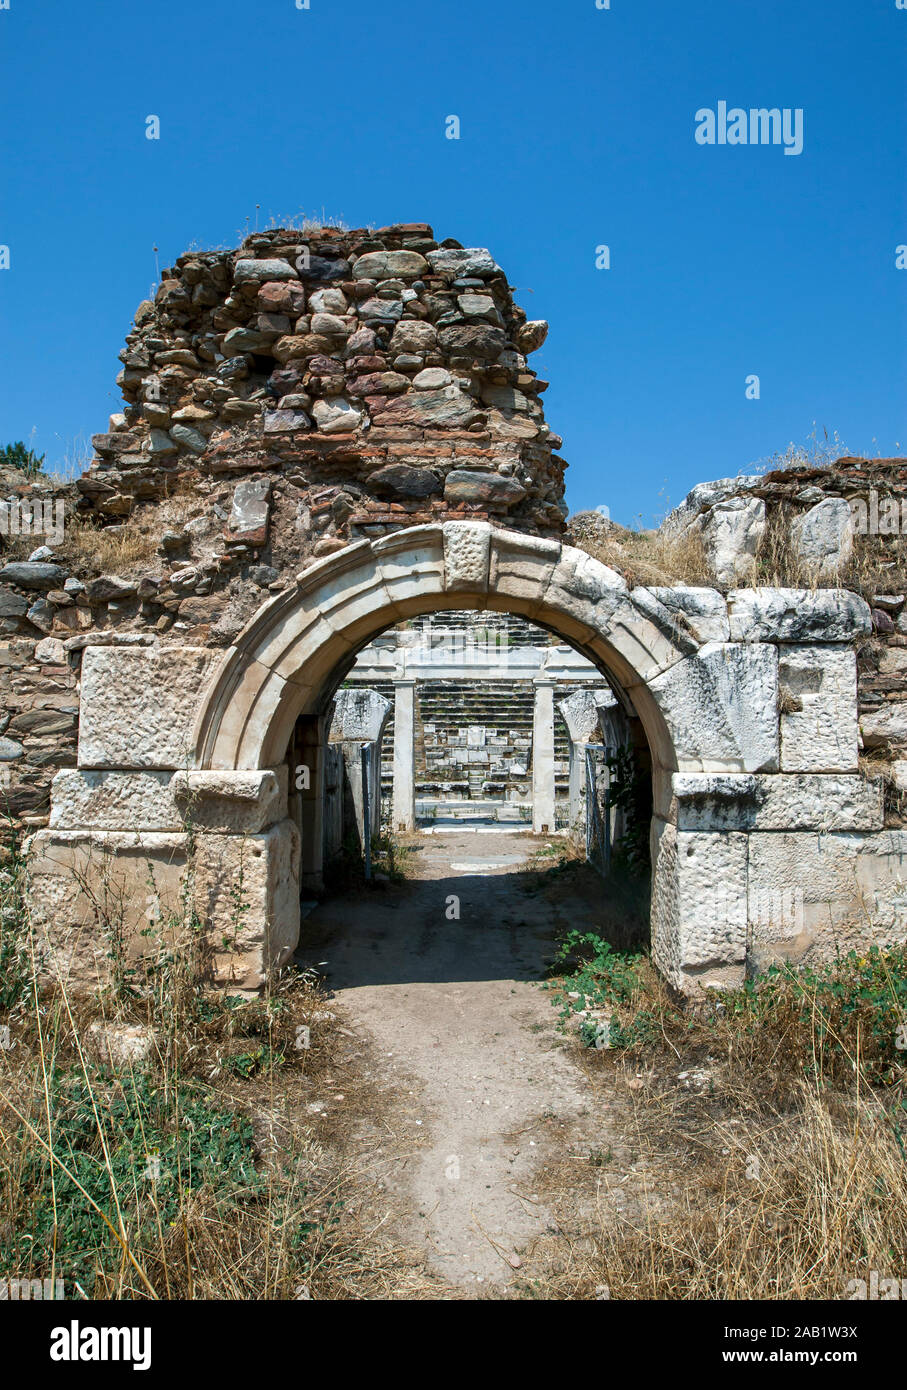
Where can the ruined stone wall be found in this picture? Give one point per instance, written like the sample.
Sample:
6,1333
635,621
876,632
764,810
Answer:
837,523
281,400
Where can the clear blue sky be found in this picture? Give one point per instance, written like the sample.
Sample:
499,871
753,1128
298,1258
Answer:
577,129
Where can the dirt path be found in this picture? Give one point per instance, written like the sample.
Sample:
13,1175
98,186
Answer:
488,1088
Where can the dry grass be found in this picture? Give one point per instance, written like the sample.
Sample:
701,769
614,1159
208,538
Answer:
105,549
765,1143
235,1162
878,564
727,1205
642,557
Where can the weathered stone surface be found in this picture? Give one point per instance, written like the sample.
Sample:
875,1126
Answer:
109,587
258,272
12,605
797,615
467,555
700,612
823,536
359,714
199,608
581,713
412,335
247,894
330,326
472,260
400,480
473,340
284,297
788,801
250,509
190,439
389,265
699,905
530,336
50,651
120,1045
822,895
463,486
248,340
336,415
113,801
286,421
706,495
32,575
380,311
41,614
721,708
449,406
329,301
233,803
885,726
138,705
323,269
76,876
818,696
731,532
479,306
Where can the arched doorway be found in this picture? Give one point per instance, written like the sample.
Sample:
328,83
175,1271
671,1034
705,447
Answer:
269,701
734,805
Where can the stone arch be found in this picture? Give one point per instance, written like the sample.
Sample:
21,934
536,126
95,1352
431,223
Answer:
285,663
744,773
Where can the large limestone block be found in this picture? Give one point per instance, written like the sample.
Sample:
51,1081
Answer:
788,801
797,615
113,801
95,894
819,895
823,536
721,708
705,495
232,803
699,906
247,896
137,706
818,695
731,532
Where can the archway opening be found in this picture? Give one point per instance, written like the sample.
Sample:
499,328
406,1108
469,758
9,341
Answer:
462,723
271,703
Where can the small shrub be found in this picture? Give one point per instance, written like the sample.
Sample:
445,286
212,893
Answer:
19,456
